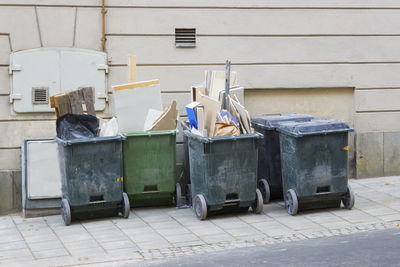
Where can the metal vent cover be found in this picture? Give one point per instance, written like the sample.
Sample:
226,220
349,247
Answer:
40,95
185,37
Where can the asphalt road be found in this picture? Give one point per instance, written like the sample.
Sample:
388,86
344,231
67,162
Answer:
378,248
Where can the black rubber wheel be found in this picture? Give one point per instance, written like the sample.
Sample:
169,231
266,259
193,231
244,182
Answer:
178,192
65,211
291,202
200,207
348,199
265,191
126,206
258,205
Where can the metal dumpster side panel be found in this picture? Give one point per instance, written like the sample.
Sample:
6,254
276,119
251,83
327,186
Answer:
315,166
150,168
224,167
91,170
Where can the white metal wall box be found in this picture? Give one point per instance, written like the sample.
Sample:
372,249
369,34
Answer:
36,74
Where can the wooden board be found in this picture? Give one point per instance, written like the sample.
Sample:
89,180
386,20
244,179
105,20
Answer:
89,100
132,69
63,104
76,100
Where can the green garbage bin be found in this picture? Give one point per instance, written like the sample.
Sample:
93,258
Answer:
315,164
223,173
150,167
91,178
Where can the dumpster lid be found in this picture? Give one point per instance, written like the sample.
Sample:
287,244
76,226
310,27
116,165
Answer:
89,140
313,127
203,139
150,133
271,121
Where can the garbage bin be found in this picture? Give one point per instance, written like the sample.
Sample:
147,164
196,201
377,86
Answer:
150,167
91,178
314,164
183,184
269,156
223,173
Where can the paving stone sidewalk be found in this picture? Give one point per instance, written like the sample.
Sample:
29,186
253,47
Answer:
154,233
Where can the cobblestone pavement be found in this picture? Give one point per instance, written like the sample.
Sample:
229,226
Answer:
155,233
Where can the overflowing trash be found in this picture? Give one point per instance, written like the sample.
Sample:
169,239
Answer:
138,108
215,109
77,126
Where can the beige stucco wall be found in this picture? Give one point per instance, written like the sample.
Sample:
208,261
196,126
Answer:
347,47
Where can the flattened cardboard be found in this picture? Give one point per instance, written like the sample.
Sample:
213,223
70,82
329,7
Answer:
167,120
151,117
244,115
200,118
210,113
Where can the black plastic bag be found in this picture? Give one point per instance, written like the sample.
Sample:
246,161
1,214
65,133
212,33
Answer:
77,126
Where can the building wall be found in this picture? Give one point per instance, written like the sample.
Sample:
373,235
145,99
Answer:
273,44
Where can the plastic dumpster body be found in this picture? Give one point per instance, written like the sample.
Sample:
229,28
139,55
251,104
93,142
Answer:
91,178
315,164
150,167
269,156
183,185
223,173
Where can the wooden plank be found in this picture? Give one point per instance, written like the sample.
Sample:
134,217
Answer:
53,105
245,50
63,104
135,85
88,97
377,100
132,69
258,21
76,101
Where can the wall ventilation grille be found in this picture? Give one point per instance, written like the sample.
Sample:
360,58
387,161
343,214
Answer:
185,37
40,95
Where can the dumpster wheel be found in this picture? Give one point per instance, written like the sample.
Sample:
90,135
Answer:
65,211
265,191
178,197
126,208
291,202
258,205
348,199
200,207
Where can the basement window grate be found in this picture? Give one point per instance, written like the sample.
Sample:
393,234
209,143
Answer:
185,37
40,95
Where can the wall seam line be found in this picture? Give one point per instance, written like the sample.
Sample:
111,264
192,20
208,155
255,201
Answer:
38,26
74,35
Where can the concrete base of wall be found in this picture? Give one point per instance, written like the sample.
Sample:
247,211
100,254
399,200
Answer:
10,191
377,154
